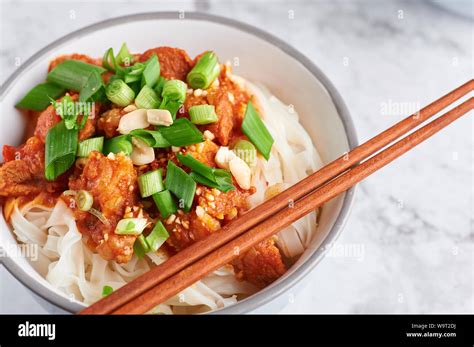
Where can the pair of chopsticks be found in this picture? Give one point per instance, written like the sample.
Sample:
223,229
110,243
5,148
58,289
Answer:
220,248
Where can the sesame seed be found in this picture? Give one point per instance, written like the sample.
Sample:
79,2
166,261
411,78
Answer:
106,237
198,92
198,191
192,148
177,220
130,188
200,147
111,156
175,149
231,97
204,93
189,91
171,219
199,211
210,197
212,204
209,135
185,224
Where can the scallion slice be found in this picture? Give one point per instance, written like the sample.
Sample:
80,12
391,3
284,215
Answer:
131,226
152,138
181,185
93,88
108,60
165,203
73,74
204,72
141,247
118,144
172,106
38,98
150,183
124,57
223,181
84,200
174,90
107,290
119,93
203,114
246,151
206,175
256,131
151,73
147,98
157,237
87,146
60,147
158,88
182,133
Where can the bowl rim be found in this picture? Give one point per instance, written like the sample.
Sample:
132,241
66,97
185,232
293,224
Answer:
271,292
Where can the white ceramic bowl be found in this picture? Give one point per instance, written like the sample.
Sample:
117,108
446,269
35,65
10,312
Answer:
263,58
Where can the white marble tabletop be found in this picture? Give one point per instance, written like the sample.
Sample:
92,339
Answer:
412,221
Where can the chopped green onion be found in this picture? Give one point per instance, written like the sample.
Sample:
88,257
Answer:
84,200
246,151
124,57
197,166
131,226
108,60
38,98
61,147
151,73
119,93
93,87
158,88
107,290
203,114
150,183
152,138
99,216
147,98
182,133
256,131
212,177
204,72
118,144
157,237
66,109
87,146
181,185
165,203
174,90
172,106
141,247
224,182
73,74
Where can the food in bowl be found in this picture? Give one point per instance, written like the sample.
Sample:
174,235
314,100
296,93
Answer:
133,157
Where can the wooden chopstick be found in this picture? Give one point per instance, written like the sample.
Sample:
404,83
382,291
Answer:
201,248
285,217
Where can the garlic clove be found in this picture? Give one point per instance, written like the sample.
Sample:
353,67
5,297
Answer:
159,117
133,120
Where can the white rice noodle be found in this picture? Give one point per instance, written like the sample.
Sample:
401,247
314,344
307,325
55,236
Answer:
69,265
292,158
